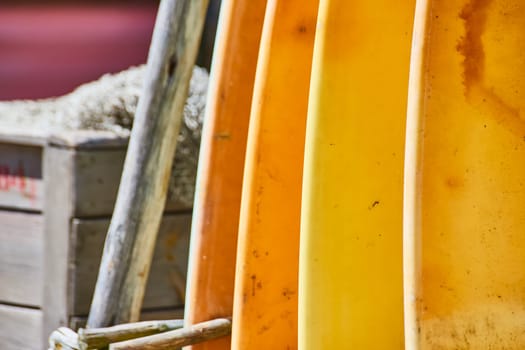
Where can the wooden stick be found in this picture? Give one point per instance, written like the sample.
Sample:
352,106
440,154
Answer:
181,337
141,197
98,338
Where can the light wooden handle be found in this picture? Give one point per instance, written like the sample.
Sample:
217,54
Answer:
178,338
98,338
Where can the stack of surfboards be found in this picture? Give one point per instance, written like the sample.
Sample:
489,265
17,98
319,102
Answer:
362,176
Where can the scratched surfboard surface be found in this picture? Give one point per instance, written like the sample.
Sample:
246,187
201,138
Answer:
465,176
350,274
266,282
221,162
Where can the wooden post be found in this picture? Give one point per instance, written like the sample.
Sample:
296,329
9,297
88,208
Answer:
178,338
58,166
140,202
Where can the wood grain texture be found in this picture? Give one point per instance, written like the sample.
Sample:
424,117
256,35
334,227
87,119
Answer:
178,338
97,172
21,258
73,246
99,159
97,175
96,338
166,283
20,328
21,183
140,202
58,167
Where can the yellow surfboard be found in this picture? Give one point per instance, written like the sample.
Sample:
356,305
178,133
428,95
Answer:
351,282
266,284
465,177
221,163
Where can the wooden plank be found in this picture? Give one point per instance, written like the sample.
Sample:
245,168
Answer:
97,171
21,184
98,168
23,137
73,176
88,139
20,328
166,284
21,254
97,176
59,198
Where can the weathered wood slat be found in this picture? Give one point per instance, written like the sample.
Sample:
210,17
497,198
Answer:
21,258
21,184
58,170
23,137
20,328
97,176
140,202
178,338
98,338
88,139
77,178
97,169
167,279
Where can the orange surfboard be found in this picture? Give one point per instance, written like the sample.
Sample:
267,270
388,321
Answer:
221,163
266,284
465,177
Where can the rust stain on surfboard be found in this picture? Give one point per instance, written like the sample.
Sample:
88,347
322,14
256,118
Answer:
474,15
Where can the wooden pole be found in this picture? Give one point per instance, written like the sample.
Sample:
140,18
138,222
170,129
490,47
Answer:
178,338
141,197
100,338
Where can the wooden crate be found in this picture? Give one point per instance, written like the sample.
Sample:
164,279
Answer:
56,199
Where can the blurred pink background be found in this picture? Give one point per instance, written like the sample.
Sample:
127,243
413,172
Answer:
49,50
